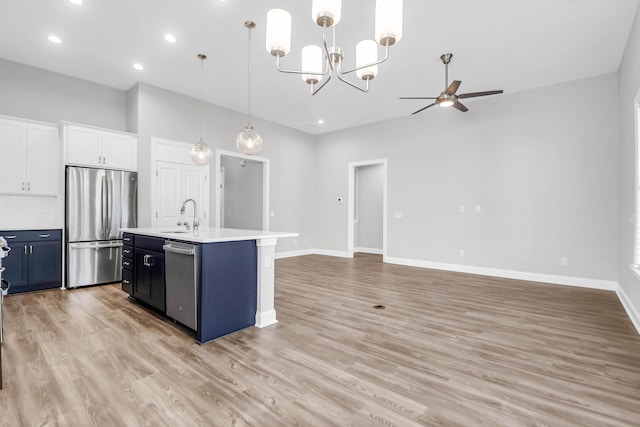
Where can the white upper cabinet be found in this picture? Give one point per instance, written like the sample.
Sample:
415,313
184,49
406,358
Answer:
30,153
88,146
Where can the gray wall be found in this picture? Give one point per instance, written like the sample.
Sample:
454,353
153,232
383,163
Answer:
369,193
629,76
242,193
37,94
541,164
169,115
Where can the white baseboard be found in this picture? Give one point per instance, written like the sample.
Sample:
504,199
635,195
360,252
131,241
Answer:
629,307
265,318
326,252
303,252
582,282
374,251
290,254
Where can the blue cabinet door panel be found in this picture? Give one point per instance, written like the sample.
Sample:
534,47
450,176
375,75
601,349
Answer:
228,288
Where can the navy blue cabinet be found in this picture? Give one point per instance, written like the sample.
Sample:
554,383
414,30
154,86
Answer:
127,263
35,260
148,271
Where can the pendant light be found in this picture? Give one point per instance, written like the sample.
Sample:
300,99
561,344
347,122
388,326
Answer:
200,153
249,141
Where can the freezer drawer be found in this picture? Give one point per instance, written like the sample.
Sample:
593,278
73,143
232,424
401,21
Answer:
93,263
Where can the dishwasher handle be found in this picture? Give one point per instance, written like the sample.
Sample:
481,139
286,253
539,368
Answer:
181,251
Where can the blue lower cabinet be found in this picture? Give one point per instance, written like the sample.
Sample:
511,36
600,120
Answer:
35,260
228,288
148,271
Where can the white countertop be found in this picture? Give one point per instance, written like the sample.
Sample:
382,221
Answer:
207,234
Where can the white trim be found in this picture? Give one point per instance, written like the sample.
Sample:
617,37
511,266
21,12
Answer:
628,307
291,254
265,183
326,252
265,318
582,282
375,251
352,203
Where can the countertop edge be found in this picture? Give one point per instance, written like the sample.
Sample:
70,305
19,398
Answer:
210,235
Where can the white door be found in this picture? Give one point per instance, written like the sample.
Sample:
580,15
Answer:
43,159
196,186
175,183
13,135
168,193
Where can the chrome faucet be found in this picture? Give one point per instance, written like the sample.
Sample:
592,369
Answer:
196,220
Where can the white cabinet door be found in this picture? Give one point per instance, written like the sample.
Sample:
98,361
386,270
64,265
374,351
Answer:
13,135
43,160
83,146
168,193
119,151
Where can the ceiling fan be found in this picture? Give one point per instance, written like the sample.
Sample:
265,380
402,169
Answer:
448,97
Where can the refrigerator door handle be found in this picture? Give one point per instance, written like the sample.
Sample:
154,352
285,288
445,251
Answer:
93,245
108,203
103,213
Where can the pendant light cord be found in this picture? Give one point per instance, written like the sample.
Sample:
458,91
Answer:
249,74
202,58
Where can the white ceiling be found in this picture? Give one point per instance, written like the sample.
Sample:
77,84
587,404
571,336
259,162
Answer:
497,44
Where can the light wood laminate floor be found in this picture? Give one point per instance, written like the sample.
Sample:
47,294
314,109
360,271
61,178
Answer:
449,349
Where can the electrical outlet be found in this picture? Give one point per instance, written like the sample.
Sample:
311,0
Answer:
461,208
564,261
478,209
397,215
461,252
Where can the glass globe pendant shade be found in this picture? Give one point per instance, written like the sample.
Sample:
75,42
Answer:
249,141
201,153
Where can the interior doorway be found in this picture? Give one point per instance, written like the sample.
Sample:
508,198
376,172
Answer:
242,191
367,210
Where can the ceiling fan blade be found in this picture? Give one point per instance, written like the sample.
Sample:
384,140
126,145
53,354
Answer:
474,94
461,107
422,109
418,97
453,87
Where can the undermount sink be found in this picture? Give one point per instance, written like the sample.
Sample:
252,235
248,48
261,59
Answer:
177,231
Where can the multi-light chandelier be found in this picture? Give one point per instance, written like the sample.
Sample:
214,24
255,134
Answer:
326,60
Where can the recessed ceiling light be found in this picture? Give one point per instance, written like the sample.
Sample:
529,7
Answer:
54,39
169,38
138,67
320,122
76,1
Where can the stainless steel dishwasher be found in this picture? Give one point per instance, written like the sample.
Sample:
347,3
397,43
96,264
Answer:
181,279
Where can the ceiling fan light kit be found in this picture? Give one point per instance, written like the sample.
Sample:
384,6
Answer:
448,97
326,60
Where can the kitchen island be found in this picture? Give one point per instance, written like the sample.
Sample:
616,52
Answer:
230,281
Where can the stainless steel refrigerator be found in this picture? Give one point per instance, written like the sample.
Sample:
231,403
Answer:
98,203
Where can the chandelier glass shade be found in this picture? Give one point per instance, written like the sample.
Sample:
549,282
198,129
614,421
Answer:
321,63
200,152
